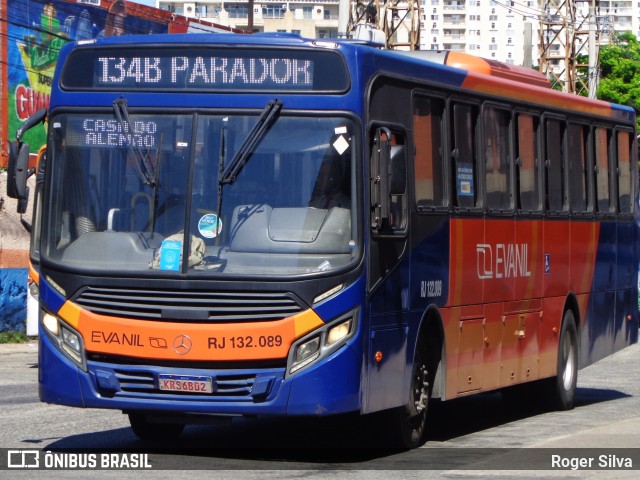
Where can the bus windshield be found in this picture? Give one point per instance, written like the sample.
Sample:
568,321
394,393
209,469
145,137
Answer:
144,195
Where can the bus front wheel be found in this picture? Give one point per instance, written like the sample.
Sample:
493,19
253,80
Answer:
405,426
146,430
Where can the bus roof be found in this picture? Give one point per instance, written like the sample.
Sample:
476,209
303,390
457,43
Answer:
449,69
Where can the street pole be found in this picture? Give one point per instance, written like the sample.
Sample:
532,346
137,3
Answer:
594,52
343,18
528,45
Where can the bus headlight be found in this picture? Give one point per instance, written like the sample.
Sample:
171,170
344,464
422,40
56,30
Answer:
65,338
71,343
322,342
305,353
50,323
338,332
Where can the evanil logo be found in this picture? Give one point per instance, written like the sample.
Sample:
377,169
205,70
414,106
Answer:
502,260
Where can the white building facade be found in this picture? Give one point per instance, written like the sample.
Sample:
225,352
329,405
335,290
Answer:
312,19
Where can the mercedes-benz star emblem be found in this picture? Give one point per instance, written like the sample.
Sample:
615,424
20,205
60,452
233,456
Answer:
182,345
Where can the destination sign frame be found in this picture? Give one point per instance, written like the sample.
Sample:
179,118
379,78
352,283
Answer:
197,68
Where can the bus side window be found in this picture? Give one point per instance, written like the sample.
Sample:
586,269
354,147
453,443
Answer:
497,158
577,143
601,169
624,155
463,154
429,163
555,171
527,164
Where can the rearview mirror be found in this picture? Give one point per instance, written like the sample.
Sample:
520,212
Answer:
32,121
379,181
17,170
397,170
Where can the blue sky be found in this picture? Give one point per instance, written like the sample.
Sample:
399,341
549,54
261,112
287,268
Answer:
150,3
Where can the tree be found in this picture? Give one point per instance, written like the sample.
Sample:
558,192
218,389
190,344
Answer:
620,71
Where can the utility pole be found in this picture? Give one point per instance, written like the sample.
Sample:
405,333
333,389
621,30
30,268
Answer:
528,45
594,52
4,75
566,35
344,7
399,20
401,24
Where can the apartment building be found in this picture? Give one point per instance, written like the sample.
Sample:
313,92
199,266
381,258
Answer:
486,28
313,19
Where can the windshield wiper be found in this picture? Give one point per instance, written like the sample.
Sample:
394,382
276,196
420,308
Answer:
142,161
266,120
156,182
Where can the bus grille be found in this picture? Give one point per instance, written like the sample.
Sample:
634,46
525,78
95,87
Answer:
142,382
192,306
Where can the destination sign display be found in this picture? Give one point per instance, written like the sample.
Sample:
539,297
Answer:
187,72
205,69
106,132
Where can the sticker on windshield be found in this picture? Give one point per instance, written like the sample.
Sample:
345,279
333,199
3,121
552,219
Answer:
170,252
341,145
209,225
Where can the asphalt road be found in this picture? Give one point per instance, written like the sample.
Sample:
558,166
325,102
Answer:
471,437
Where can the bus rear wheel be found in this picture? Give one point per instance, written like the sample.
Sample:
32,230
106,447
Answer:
146,430
561,389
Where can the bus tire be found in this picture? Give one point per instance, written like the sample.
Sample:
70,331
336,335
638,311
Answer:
405,426
562,387
146,430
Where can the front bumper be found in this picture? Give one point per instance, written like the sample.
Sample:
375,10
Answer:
331,386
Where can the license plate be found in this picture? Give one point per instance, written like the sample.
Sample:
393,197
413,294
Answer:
185,383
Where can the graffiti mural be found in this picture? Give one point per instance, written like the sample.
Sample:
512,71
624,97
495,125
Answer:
37,29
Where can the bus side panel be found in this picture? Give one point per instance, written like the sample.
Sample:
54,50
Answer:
493,355
471,261
626,321
612,319
528,284
584,238
550,319
429,283
596,332
388,341
626,261
605,271
387,372
625,327
451,339
499,236
557,237
470,347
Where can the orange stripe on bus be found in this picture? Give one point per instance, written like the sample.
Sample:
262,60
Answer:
538,95
189,341
34,274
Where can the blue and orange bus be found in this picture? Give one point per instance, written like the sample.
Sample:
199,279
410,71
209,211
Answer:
270,225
